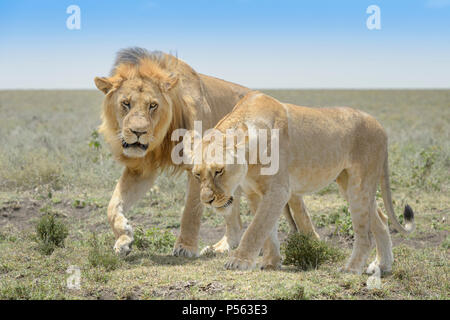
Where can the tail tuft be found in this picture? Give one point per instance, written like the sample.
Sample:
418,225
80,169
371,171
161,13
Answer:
408,213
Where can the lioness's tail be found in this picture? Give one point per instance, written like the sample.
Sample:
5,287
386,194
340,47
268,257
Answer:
408,213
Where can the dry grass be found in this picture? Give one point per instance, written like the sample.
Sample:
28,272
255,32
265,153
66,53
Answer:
50,161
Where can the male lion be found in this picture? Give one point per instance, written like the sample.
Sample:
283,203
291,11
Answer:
147,97
316,147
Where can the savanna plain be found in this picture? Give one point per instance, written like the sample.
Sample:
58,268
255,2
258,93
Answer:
57,175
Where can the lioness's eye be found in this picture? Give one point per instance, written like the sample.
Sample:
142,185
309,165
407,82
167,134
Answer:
218,172
153,106
126,104
197,175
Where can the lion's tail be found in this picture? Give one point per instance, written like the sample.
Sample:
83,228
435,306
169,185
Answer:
408,213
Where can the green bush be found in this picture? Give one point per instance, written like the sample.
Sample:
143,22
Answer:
154,239
51,233
306,252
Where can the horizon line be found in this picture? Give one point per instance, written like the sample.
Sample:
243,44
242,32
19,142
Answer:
260,88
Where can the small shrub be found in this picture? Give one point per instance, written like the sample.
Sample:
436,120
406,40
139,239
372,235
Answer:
100,255
306,253
154,239
50,233
94,143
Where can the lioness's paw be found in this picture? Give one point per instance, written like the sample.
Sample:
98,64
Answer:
219,248
181,250
239,264
375,267
122,247
350,270
271,264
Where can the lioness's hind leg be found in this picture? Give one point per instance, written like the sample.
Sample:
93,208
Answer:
301,216
361,197
342,182
380,231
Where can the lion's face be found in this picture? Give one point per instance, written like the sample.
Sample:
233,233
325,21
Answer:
218,182
143,114
142,111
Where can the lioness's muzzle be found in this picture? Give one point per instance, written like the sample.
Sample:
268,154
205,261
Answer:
228,203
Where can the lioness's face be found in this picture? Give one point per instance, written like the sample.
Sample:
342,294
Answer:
143,114
218,182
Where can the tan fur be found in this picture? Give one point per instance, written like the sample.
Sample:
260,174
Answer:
317,146
183,96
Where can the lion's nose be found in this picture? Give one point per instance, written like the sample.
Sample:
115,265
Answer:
207,197
138,133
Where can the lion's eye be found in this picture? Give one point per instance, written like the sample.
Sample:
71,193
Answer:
218,172
197,175
126,104
153,106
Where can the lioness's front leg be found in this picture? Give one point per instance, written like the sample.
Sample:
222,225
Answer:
129,189
264,222
233,230
187,242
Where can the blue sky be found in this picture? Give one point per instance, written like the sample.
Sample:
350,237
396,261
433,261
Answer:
260,44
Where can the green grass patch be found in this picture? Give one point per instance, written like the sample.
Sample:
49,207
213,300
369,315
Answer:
101,255
154,240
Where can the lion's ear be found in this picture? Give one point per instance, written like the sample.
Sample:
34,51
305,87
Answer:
169,83
103,84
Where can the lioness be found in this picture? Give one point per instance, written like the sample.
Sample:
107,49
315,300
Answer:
316,147
147,97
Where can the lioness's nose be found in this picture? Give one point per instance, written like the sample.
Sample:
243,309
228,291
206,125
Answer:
207,196
138,133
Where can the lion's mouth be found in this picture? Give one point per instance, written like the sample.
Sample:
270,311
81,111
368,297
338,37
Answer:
228,203
137,144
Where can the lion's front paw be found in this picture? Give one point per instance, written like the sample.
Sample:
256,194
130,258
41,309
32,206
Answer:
122,247
220,247
235,263
181,250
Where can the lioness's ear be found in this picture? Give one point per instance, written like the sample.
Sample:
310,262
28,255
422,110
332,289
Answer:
169,83
103,84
